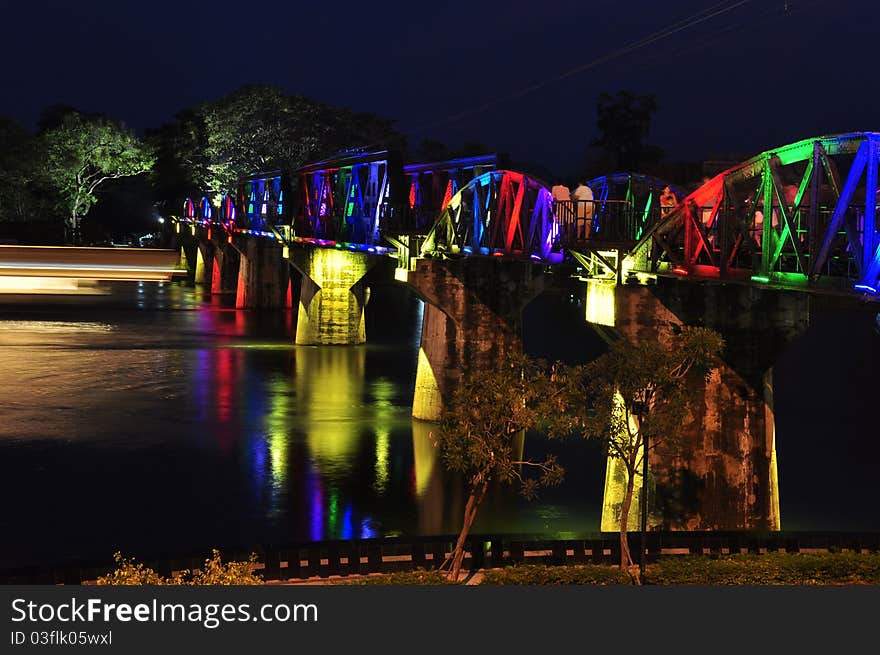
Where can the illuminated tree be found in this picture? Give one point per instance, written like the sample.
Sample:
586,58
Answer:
636,396
481,427
254,129
82,153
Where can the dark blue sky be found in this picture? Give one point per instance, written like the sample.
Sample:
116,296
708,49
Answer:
753,78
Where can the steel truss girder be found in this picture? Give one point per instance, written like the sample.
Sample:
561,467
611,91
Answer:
499,212
802,238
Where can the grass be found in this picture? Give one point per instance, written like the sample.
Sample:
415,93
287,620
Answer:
417,577
768,569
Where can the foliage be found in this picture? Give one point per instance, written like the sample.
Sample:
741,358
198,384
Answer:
767,569
623,121
253,129
479,430
215,572
636,393
752,569
20,197
82,153
131,573
417,577
539,574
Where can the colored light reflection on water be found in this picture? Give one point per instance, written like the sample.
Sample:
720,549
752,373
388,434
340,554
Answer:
141,429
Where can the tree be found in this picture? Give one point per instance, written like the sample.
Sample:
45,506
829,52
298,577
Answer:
636,399
623,121
479,429
82,154
19,200
254,129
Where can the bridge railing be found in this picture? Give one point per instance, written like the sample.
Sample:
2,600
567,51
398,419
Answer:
364,556
597,220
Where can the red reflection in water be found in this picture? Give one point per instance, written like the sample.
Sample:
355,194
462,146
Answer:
225,378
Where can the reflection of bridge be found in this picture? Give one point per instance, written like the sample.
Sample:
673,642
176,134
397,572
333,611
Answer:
47,269
478,243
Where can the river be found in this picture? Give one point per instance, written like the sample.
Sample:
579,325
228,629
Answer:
156,420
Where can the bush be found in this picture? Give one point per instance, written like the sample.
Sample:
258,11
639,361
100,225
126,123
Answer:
417,577
214,572
129,573
768,569
537,574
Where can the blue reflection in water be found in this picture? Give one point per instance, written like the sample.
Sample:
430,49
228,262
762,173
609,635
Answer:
347,529
316,521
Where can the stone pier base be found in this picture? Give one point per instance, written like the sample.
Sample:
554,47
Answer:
332,297
472,319
723,476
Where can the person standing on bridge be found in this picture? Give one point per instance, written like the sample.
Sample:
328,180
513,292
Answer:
561,195
668,201
582,199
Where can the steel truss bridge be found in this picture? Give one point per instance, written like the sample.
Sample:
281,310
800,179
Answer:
801,216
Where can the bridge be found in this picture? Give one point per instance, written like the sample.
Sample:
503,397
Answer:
743,254
54,269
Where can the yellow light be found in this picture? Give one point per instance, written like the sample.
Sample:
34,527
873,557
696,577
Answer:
600,301
329,382
382,447
615,486
427,400
401,275
47,285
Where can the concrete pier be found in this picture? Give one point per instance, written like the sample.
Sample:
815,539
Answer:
725,475
333,295
472,319
263,275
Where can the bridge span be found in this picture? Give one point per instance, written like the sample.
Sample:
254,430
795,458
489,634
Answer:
747,253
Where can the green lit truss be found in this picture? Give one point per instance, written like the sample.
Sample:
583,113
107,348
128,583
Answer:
804,215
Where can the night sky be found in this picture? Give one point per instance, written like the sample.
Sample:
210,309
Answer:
760,75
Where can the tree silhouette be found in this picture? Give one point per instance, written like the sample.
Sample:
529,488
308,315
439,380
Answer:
624,121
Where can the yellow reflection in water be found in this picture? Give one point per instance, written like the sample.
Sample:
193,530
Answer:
382,443
383,410
428,478
329,385
277,424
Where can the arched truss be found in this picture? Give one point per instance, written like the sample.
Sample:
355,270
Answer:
431,185
227,210
344,198
188,212
260,201
206,211
499,213
802,214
